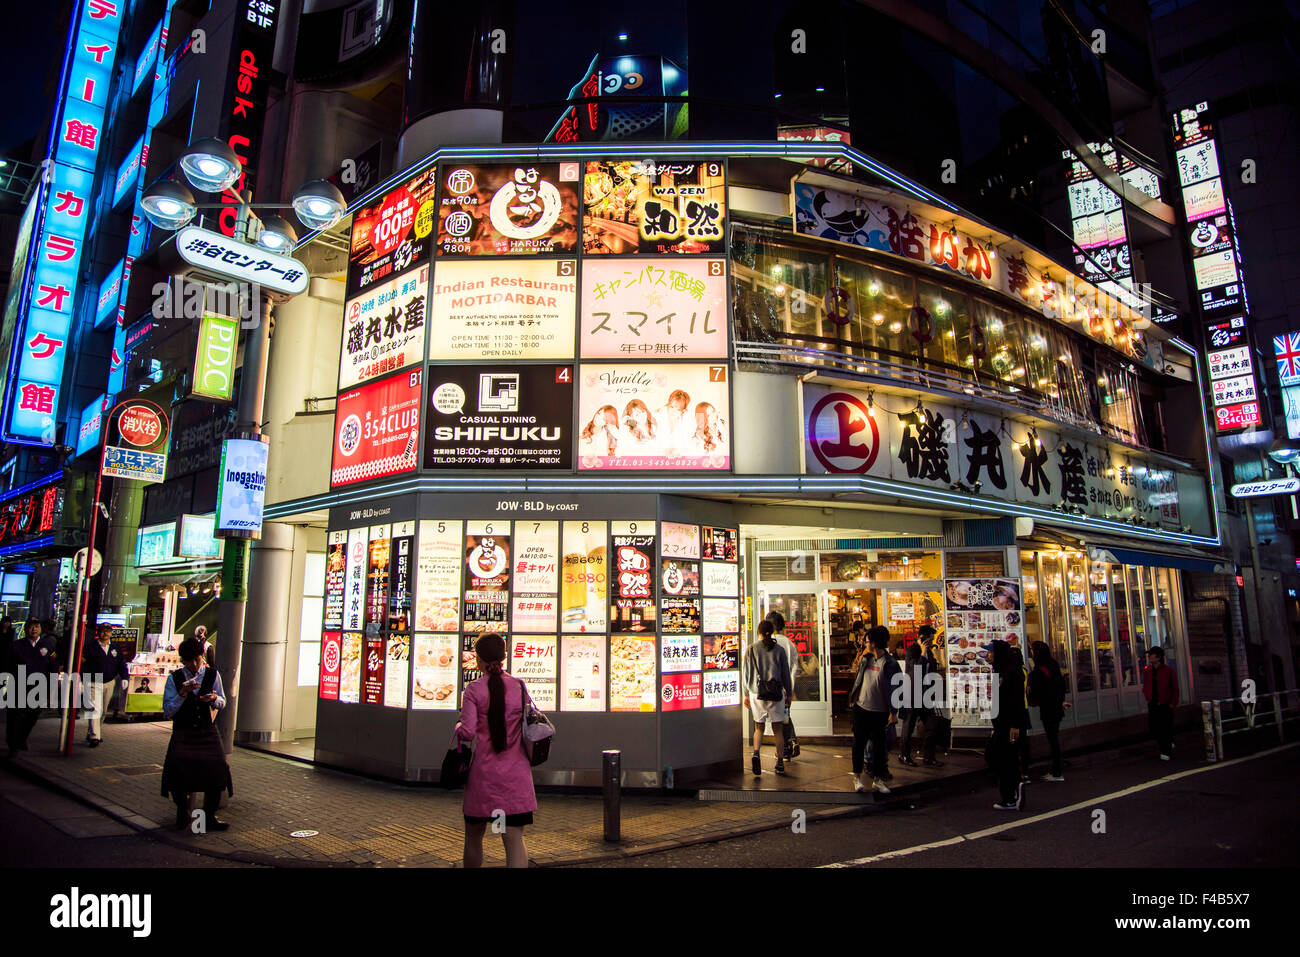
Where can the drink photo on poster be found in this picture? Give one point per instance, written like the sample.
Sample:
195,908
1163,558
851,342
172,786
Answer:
494,209
392,234
584,583
721,544
652,416
499,417
654,206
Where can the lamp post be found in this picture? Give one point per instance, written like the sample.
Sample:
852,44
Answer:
212,166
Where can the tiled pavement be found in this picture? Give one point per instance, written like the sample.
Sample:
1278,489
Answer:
366,822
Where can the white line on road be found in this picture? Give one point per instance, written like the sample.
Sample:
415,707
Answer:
1047,815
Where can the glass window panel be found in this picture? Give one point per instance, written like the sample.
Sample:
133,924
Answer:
950,311
1040,361
882,300
1137,620
1053,601
1166,579
1100,595
779,290
1123,627
1151,627
1033,611
1077,586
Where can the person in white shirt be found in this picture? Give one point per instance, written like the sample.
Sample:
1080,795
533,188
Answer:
778,624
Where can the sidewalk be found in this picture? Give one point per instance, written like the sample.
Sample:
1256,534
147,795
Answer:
363,822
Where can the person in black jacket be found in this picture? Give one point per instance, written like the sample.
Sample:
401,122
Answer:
33,655
1008,721
917,667
103,666
1047,693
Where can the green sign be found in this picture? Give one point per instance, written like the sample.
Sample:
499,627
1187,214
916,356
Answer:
155,545
195,538
214,360
234,570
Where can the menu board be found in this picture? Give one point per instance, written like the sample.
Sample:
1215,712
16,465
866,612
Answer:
721,578
662,416
434,684
721,688
721,615
331,660
654,206
487,576
680,615
372,674
336,561
582,673
679,653
583,579
397,668
631,673
484,416
681,692
437,570
505,309
350,675
978,611
393,233
355,597
487,209
532,661
383,328
376,430
679,579
377,579
632,599
721,544
401,575
721,652
654,307
680,541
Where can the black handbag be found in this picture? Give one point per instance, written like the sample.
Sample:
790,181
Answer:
770,689
455,766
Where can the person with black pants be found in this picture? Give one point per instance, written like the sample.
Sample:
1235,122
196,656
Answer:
195,759
1008,724
1047,693
32,655
1160,688
874,710
919,665
777,619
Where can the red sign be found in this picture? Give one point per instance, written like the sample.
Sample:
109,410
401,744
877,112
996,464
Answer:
331,658
843,434
31,514
681,692
376,430
140,426
396,215
800,635
1239,416
372,678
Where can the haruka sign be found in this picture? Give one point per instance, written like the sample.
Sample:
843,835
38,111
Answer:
214,358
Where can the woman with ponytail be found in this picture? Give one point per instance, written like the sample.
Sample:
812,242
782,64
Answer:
500,777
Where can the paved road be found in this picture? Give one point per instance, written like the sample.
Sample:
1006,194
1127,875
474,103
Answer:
1234,815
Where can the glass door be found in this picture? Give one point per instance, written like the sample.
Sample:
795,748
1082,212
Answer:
800,604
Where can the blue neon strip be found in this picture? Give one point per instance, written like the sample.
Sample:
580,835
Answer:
43,480
27,546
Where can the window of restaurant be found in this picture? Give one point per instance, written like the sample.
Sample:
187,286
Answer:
882,300
1052,601
1080,624
1123,625
950,311
1102,630
1118,390
1137,616
779,289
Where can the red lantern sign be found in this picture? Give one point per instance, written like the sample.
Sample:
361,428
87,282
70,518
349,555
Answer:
140,426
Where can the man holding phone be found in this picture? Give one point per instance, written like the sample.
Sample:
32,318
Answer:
195,759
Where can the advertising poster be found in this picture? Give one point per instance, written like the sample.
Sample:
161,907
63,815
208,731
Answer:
499,417
487,576
372,675
397,668
679,579
680,616
376,430
495,209
534,612
537,557
654,307
468,660
721,615
721,688
721,544
977,612
401,576
680,541
679,653
532,660
582,673
504,309
721,652
681,692
632,597
379,552
664,416
583,579
631,673
354,611
437,570
434,684
350,676
331,659
393,233
336,562
383,328
653,206
721,578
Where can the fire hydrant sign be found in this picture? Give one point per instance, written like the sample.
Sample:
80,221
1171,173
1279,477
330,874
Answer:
142,430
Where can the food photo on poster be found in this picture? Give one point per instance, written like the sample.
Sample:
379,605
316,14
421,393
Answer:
680,616
435,659
487,576
350,673
632,601
486,416
383,328
493,209
721,652
631,673
977,612
503,309
654,206
376,430
393,233
437,569
678,578
654,416
654,307
397,667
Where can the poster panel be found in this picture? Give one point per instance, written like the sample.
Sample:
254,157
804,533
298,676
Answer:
354,601
679,653
331,659
437,589
654,206
534,612
584,583
721,615
401,576
679,579
397,669
532,660
372,675
680,616
336,560
505,309
632,602
537,554
631,673
721,652
582,672
681,692
350,676
978,611
721,688
721,544
383,329
378,554
654,307
721,578
680,541
392,234
495,209
376,429
487,576
434,684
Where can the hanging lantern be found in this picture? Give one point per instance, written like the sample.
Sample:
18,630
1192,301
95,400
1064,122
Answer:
979,344
920,323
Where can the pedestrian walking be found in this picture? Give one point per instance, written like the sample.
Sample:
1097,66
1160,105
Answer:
102,666
767,692
1047,694
1022,742
874,710
31,655
1008,721
195,759
1160,688
777,619
500,778
918,667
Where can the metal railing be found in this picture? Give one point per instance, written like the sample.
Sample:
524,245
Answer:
1224,717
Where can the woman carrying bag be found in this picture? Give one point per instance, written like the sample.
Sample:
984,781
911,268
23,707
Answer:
500,776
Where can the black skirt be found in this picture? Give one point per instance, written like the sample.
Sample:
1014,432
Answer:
195,762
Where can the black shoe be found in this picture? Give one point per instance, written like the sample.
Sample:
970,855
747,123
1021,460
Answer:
780,768
907,759
756,763
1020,797
94,742
216,824
795,753
932,763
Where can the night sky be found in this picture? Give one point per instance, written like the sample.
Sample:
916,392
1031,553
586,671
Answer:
33,48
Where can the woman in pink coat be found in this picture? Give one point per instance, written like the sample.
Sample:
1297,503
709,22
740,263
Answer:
500,777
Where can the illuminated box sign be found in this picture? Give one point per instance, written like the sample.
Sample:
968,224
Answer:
1281,486
241,486
1230,418
376,429
214,358
110,291
31,514
127,173
134,464
144,64
248,80
1287,349
196,539
608,79
682,692
1228,391
654,307
392,235
1291,399
92,421
502,208
156,545
1232,375
1097,218
1228,333
227,258
383,328
654,206
493,309
817,134
1229,362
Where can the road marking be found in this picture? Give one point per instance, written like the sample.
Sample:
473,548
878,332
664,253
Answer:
1048,815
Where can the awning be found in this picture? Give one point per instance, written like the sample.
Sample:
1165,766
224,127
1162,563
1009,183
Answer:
179,576
1187,563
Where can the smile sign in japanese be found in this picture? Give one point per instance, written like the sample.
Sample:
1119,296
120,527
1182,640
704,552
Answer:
654,307
504,309
226,258
383,328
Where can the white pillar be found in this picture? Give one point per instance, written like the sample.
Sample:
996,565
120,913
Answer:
266,622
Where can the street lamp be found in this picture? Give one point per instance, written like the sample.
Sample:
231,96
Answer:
1284,452
319,204
168,205
211,165
276,235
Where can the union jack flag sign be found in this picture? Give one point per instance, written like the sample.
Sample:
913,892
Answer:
1287,348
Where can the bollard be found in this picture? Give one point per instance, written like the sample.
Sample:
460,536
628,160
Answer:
1218,731
1277,714
611,778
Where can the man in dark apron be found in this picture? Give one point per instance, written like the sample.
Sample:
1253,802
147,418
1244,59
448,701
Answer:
195,759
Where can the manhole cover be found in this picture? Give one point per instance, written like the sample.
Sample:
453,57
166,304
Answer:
304,833
138,769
